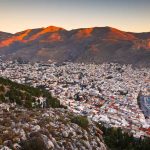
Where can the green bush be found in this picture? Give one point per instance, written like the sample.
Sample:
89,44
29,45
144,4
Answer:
81,121
53,102
2,89
2,98
25,95
116,139
34,143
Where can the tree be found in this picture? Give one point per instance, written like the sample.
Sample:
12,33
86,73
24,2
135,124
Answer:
2,98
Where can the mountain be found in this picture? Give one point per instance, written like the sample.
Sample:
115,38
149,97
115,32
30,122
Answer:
4,35
37,128
98,44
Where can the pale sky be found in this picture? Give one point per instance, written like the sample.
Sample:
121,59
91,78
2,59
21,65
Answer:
127,15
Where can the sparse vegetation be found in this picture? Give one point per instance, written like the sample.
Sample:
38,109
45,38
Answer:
82,121
116,139
34,143
25,95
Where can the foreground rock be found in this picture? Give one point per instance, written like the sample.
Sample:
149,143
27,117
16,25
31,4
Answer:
43,129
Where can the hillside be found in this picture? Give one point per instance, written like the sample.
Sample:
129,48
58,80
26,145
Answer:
35,128
98,44
26,96
31,119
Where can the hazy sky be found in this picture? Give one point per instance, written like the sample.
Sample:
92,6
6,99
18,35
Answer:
127,15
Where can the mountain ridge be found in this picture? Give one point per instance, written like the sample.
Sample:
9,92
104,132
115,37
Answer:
95,44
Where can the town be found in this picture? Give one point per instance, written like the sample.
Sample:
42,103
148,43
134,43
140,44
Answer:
107,93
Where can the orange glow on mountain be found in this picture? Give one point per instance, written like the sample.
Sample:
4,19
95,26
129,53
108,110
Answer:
115,33
12,39
20,36
83,33
149,44
55,37
7,42
44,31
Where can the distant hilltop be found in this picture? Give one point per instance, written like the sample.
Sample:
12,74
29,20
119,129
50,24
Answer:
97,44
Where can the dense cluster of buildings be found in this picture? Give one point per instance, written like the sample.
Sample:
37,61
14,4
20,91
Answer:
107,93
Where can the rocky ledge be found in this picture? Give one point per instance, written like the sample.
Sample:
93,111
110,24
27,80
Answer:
47,129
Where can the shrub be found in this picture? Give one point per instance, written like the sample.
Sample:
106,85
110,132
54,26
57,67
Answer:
53,102
28,104
81,121
2,98
34,143
115,139
2,89
24,95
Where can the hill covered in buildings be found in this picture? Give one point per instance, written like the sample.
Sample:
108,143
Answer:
31,119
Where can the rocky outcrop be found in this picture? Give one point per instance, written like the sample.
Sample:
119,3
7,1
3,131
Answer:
45,129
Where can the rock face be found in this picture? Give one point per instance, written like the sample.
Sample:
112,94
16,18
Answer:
99,44
44,129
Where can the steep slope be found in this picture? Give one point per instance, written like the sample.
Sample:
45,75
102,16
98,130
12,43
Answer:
42,128
26,96
29,35
98,44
